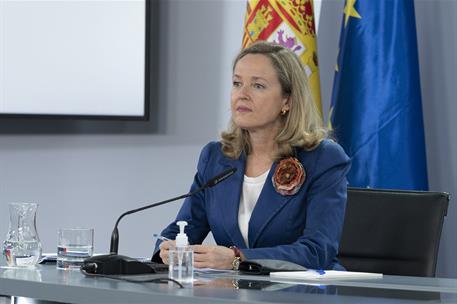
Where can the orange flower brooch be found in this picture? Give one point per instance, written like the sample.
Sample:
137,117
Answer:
289,176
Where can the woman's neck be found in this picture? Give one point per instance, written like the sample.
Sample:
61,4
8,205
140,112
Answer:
260,158
262,144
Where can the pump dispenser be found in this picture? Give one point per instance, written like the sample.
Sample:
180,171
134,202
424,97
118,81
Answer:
182,239
181,258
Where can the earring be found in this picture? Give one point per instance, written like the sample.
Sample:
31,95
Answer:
283,112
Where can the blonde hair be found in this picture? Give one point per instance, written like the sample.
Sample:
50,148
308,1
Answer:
302,125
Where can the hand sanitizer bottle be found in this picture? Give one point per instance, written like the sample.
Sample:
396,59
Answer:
181,258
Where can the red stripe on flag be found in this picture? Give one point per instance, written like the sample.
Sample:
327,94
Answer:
289,18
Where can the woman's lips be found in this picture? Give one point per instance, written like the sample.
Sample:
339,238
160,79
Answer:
243,109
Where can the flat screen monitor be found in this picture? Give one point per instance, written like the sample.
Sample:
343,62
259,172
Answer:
69,58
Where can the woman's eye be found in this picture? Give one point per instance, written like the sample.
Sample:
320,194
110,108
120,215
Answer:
259,86
236,83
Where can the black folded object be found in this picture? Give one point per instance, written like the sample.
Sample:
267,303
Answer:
265,266
113,264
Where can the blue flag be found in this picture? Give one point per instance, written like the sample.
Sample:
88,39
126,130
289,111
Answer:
376,110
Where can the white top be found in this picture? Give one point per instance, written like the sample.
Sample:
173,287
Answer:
252,186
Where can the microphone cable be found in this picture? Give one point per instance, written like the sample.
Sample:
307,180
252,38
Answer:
123,278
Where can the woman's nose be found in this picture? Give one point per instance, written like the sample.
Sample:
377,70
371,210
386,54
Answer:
243,91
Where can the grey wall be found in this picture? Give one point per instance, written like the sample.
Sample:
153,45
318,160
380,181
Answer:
437,40
89,179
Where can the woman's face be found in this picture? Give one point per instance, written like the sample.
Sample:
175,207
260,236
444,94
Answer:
256,98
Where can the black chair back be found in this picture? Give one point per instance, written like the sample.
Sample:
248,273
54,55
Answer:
392,231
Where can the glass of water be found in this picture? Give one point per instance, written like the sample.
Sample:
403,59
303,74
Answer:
74,246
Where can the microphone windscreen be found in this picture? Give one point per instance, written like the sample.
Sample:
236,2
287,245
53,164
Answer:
221,177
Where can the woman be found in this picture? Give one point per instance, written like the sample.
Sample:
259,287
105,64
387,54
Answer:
286,200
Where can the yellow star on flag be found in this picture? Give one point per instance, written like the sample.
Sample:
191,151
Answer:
350,11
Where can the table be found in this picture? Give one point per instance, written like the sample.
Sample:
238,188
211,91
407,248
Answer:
47,283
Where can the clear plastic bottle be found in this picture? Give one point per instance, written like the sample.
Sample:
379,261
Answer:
181,258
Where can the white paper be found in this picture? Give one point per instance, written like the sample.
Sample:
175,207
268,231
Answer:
327,275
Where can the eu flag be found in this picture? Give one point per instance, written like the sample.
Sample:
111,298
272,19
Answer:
376,110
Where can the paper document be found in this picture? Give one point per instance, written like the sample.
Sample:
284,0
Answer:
325,275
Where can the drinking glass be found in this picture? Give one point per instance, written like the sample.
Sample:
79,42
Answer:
74,246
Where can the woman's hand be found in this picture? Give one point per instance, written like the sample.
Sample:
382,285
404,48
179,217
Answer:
211,256
164,247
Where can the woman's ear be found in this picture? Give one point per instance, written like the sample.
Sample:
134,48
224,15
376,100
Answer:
286,103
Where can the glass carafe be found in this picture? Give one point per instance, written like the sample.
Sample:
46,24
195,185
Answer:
22,246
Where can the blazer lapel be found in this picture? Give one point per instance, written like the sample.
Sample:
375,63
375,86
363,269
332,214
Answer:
229,196
268,204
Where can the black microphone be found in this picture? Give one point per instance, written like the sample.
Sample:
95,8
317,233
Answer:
117,264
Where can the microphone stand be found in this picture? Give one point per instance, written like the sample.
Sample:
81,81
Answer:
115,234
115,264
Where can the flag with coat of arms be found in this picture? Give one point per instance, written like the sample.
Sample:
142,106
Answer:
290,23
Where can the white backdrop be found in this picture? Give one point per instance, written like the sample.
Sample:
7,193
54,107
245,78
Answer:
72,57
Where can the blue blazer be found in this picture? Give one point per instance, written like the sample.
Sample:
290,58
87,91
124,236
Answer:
304,228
